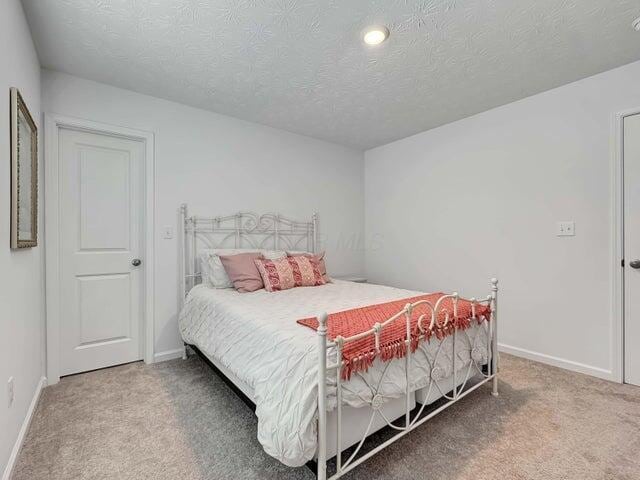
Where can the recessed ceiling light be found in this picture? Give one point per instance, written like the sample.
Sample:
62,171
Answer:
375,35
636,24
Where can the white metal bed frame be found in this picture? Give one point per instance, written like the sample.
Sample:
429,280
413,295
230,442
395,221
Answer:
276,232
269,231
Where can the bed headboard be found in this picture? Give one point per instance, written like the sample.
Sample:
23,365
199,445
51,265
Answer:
269,231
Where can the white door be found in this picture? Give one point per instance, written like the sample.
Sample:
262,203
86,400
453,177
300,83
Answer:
632,248
101,237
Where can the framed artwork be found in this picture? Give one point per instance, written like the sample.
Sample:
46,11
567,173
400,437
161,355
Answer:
24,174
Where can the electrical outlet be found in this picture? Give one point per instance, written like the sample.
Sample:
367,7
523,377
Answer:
10,391
565,229
167,232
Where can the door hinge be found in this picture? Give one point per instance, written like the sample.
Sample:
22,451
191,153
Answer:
622,263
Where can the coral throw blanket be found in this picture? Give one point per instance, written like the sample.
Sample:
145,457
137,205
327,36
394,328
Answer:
359,355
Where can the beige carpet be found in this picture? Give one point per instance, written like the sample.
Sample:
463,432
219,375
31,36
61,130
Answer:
178,420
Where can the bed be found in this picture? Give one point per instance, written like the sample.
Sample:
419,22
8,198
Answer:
306,408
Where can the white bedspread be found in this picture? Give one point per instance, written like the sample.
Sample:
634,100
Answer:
255,336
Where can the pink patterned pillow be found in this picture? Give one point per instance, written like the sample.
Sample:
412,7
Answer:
288,272
319,257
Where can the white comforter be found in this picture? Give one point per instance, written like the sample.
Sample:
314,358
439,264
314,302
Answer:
255,336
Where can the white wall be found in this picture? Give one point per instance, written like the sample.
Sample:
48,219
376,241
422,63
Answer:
22,272
451,207
220,165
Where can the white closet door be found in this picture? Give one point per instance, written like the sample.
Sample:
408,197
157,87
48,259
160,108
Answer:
101,204
632,248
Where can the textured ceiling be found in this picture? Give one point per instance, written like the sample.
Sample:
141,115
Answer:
300,65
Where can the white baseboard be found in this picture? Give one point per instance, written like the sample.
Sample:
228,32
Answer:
558,362
168,355
23,430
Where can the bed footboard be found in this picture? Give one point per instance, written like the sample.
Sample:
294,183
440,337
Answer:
483,364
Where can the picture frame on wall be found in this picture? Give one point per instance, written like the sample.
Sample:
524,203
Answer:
24,174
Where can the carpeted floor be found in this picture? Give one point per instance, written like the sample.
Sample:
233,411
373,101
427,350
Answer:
177,420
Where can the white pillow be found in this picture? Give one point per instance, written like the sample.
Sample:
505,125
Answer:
273,254
213,272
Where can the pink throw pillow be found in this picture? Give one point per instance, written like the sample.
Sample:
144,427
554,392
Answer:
290,271
242,271
320,258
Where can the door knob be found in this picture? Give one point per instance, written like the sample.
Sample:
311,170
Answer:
136,262
634,263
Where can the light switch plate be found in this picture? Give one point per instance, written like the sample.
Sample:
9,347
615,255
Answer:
167,232
566,229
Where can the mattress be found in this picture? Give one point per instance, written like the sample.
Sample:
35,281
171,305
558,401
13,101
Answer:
255,337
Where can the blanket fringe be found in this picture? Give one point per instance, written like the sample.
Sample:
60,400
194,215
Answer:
396,349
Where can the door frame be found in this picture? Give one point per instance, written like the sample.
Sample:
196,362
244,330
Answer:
53,124
617,242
